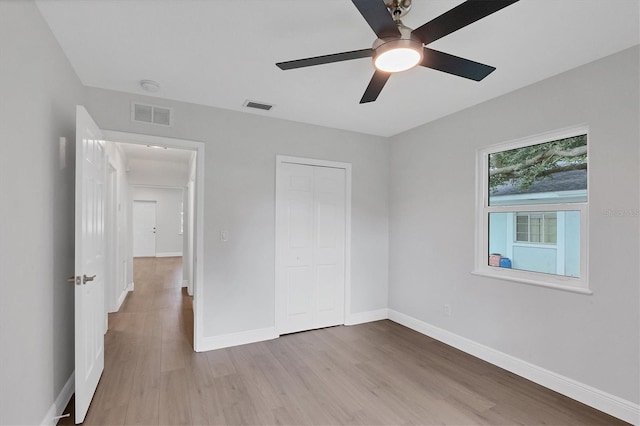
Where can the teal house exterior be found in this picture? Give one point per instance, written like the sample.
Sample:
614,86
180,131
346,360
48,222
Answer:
539,241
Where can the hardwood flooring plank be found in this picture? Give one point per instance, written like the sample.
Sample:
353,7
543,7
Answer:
172,356
200,382
146,377
174,407
144,409
220,363
113,416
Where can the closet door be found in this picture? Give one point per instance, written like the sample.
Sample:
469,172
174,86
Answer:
310,258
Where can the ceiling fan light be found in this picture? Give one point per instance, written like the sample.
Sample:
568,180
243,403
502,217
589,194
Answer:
397,60
398,55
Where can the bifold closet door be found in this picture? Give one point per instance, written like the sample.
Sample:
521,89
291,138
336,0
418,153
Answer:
310,232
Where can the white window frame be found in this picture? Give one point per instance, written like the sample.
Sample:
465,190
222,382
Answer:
483,209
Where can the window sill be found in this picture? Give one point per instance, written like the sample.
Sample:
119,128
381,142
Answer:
502,276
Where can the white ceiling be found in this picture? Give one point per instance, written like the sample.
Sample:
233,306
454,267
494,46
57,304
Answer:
148,152
221,53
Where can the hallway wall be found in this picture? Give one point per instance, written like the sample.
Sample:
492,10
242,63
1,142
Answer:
39,93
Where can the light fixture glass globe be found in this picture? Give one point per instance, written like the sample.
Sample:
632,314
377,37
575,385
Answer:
397,55
396,60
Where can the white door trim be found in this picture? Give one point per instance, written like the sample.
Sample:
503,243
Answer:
198,147
280,159
111,228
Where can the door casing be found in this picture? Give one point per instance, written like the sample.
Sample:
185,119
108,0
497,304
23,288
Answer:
199,148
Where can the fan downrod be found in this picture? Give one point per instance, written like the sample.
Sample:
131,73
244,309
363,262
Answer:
398,8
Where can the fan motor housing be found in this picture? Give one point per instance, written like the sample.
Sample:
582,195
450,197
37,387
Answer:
405,34
398,8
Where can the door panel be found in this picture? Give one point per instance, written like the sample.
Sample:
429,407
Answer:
310,222
144,228
89,260
299,285
327,227
328,286
300,223
329,250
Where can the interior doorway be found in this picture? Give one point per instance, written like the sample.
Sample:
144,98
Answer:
155,165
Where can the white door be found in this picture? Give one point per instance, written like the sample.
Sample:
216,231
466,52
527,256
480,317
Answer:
310,233
89,260
144,229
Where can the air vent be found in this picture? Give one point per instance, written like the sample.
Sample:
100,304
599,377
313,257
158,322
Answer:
151,114
258,105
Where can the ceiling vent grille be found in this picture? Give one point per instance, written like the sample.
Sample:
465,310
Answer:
151,114
258,105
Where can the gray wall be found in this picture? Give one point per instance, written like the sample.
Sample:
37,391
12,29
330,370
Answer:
240,197
39,91
592,339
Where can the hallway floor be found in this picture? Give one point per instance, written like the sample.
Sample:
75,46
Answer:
370,374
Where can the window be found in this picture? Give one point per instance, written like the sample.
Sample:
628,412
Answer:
532,210
532,227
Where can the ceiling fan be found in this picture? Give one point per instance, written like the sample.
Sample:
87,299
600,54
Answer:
399,48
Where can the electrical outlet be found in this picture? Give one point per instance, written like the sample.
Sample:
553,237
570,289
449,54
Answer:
447,309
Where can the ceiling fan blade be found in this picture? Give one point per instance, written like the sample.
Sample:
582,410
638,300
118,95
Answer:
455,65
375,86
458,17
377,15
325,59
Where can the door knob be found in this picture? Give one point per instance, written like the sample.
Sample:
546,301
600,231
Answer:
85,278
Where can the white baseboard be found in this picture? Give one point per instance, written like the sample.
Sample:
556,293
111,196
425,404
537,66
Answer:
185,283
235,339
123,296
170,254
269,333
600,400
368,316
131,286
58,406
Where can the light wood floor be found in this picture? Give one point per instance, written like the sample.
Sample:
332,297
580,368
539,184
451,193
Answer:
370,374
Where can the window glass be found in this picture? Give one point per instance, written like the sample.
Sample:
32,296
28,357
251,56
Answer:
547,173
546,242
